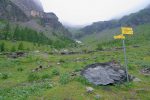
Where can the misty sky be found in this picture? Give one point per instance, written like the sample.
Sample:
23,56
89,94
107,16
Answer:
82,12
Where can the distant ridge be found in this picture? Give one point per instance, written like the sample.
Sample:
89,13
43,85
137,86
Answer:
133,19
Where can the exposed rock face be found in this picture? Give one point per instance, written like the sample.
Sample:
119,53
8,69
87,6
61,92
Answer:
50,19
104,73
11,12
31,13
29,7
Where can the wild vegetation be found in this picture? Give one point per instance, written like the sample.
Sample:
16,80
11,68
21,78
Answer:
50,76
17,33
38,65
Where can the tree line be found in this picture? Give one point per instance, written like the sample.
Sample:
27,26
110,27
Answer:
26,34
23,34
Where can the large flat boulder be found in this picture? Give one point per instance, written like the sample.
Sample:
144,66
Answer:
104,73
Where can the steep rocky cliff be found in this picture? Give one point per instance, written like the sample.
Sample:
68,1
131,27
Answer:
29,6
30,13
11,12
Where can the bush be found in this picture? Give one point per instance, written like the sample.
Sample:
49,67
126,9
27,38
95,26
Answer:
2,47
33,77
55,72
99,47
62,61
64,79
4,76
20,69
84,50
20,46
77,69
45,76
128,85
13,49
82,80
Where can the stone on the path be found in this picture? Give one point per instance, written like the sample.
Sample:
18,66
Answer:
16,54
104,73
136,80
97,96
146,71
89,89
58,63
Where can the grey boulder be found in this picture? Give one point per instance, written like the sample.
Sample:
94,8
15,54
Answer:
104,73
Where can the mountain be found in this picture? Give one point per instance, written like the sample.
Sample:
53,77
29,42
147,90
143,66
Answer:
134,19
30,13
9,11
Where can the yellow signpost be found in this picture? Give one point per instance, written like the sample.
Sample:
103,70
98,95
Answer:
119,36
125,31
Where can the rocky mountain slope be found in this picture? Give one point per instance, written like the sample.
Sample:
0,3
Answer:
10,11
134,19
30,13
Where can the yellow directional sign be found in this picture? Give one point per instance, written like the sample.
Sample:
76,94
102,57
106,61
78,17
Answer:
127,30
119,36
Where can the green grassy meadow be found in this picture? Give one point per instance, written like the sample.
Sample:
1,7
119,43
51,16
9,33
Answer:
18,82
55,80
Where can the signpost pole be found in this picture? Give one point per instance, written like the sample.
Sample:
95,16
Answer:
127,31
125,59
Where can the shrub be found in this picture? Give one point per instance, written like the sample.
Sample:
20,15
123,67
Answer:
77,69
82,80
2,47
84,50
20,46
20,69
62,61
128,85
33,77
55,72
13,49
45,76
99,47
64,79
4,76
65,65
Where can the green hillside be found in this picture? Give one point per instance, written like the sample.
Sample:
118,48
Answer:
105,38
39,60
13,33
132,20
54,81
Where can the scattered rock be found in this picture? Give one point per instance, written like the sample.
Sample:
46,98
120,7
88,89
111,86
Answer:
75,73
136,80
58,63
104,73
136,46
89,89
37,51
118,48
16,54
40,68
97,96
64,52
146,71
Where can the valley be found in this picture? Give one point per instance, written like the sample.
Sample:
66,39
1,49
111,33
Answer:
40,59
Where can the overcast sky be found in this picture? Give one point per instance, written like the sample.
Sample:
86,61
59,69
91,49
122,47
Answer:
83,12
